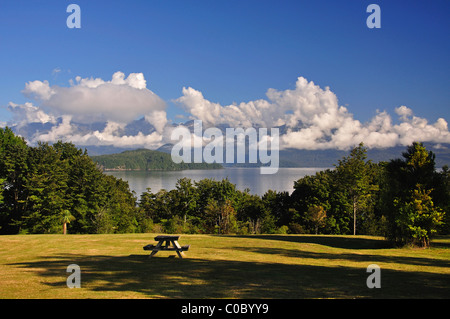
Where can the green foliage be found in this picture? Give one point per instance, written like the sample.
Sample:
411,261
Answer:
412,183
355,180
210,206
442,196
378,199
316,215
418,218
339,192
13,172
311,191
48,186
2,180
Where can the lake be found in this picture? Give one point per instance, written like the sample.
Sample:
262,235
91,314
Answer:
243,178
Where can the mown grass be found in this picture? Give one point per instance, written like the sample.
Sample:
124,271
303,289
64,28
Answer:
265,266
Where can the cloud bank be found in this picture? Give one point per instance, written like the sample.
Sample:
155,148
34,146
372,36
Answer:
313,119
309,116
116,102
92,100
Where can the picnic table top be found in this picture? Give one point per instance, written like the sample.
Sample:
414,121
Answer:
166,237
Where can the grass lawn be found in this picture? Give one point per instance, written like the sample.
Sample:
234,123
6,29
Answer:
265,266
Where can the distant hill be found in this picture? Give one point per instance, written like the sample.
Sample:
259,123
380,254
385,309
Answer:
328,158
144,159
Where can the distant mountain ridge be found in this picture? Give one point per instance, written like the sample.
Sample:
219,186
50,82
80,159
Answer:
288,157
327,158
330,157
160,159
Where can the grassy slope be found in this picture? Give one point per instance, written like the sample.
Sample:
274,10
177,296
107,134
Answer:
269,266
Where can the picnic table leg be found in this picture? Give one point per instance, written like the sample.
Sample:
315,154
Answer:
155,250
178,248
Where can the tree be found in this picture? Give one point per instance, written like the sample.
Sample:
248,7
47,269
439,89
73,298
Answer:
355,179
46,186
66,218
412,184
86,190
38,183
316,215
2,180
120,205
221,215
278,204
253,211
158,206
13,172
442,197
100,203
418,217
186,198
313,191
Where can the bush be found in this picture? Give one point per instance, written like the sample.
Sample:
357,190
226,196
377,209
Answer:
174,225
146,226
295,228
418,219
282,230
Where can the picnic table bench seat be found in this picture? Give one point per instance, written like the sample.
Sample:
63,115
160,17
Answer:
151,247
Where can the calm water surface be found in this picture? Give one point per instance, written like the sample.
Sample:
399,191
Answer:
243,178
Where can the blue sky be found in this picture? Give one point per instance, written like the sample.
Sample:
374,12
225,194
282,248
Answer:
234,51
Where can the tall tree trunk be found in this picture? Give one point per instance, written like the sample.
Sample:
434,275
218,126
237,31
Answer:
354,216
65,228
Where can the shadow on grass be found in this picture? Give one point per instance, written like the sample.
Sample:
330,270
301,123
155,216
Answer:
368,258
441,242
331,241
162,277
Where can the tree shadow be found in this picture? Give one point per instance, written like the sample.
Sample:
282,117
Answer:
161,277
368,258
331,241
440,242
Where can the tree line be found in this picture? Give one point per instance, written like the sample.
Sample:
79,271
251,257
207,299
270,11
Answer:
45,187
58,188
143,159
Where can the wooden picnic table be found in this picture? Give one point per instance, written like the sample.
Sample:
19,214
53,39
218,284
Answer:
168,239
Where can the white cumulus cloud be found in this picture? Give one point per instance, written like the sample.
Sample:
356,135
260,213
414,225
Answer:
116,102
90,100
67,131
314,120
309,116
28,113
